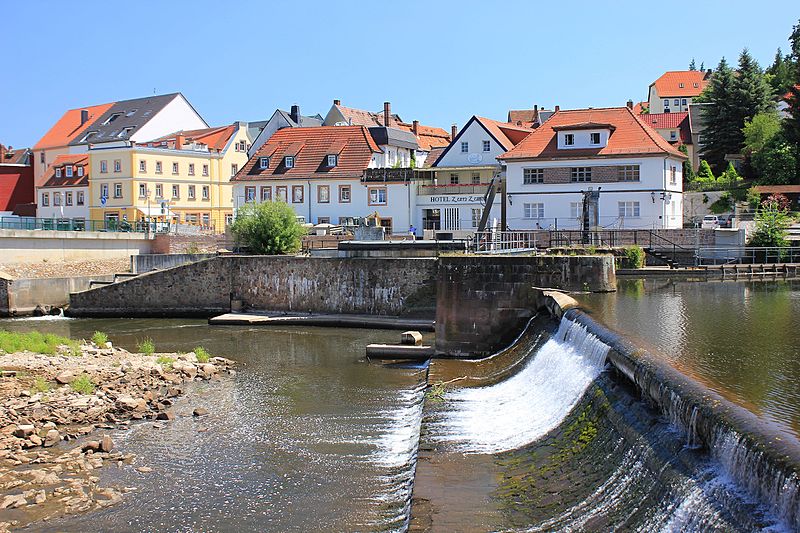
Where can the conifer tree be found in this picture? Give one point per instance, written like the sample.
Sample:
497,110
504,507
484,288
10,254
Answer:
692,66
791,124
781,73
751,92
723,131
702,66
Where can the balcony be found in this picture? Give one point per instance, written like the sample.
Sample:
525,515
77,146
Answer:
402,175
466,188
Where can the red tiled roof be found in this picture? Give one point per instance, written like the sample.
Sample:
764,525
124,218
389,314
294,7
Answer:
681,83
663,121
311,146
630,137
19,156
639,107
69,126
215,138
434,154
508,135
62,161
788,95
778,189
427,136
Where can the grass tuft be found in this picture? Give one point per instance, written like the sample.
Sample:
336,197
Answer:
41,385
100,338
146,346
202,355
83,384
165,361
33,341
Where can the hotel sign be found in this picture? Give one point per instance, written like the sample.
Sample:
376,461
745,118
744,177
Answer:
466,199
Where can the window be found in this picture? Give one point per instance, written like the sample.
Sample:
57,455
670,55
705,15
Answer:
45,199
696,85
263,162
673,135
683,102
176,191
191,169
158,167
142,165
228,220
117,165
68,171
487,146
191,194
532,175
206,219
103,167
323,194
174,168
677,102
58,172
476,178
569,139
131,112
581,174
205,170
629,173
142,190
68,198
112,118
206,192
344,194
86,136
289,161
476,217
534,210
79,198
673,179
159,191
323,220
56,199
628,209
666,103
332,160
453,179
377,196
80,172
680,85
464,147
117,190
266,194
576,210
234,169
104,190
281,193
249,194
125,132
297,194
41,157
595,138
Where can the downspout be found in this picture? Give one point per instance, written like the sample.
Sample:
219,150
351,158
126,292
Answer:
309,201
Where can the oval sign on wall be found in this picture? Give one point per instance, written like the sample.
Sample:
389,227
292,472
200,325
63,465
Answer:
474,158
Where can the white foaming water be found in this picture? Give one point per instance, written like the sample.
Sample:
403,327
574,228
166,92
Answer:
523,408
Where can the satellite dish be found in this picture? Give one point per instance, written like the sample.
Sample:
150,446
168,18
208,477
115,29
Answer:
474,158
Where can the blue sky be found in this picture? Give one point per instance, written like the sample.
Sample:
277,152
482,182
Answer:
437,62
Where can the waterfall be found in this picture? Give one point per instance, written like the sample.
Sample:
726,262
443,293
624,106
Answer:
523,408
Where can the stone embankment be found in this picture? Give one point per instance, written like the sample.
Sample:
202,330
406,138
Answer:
51,408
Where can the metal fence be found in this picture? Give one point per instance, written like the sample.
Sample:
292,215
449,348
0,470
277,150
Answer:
744,255
497,242
79,224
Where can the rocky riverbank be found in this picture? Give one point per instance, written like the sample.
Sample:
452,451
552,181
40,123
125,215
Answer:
54,408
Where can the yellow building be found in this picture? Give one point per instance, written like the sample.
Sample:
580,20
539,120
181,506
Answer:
181,178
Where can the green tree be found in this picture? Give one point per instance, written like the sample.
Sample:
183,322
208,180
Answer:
730,177
759,130
771,224
723,132
776,162
688,172
269,228
791,124
692,65
702,65
781,73
704,172
752,94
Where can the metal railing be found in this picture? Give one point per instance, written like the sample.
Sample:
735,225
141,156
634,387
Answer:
468,188
79,224
497,242
746,255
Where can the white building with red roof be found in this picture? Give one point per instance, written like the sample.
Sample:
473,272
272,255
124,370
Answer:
675,90
638,173
64,196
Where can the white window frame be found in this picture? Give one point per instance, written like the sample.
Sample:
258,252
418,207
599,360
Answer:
629,173
594,135
103,167
629,209
68,198
58,172
533,210
464,147
263,162
378,196
580,174
80,171
531,176
142,190
176,191
333,160
68,171
159,190
576,210
117,190
569,139
45,199
142,165
205,170
175,168
56,199
191,169
206,192
192,192
487,146
345,194
117,165
79,198
159,167
288,161
298,194
104,190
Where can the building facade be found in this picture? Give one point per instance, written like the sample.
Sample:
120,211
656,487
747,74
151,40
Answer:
637,173
64,196
674,91
16,179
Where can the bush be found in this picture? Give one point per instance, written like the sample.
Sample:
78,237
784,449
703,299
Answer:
202,355
753,198
268,228
772,220
83,384
146,346
633,257
99,338
775,162
40,384
722,205
36,342
165,362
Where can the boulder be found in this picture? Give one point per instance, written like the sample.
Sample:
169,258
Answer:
91,446
166,415
52,438
13,501
24,430
106,444
65,377
35,439
200,411
144,469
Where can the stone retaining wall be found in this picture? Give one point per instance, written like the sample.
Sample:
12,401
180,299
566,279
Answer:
23,296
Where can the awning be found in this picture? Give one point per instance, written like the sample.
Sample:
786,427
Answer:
155,212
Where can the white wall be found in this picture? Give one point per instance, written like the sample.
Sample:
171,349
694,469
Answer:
656,102
654,175
276,122
74,211
474,134
176,115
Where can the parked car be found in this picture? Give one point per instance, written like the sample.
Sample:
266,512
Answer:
710,222
726,221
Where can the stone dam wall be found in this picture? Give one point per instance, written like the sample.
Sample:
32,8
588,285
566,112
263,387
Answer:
22,296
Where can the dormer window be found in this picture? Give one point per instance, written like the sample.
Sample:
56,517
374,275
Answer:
696,85
130,113
569,139
673,135
333,160
58,172
80,172
86,136
112,118
289,161
680,85
595,138
263,162
68,171
124,132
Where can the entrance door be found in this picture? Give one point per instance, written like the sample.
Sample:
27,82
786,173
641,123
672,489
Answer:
431,219
450,219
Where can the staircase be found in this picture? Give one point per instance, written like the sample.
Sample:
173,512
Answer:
661,256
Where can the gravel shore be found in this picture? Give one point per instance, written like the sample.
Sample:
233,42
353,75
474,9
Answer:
53,410
65,269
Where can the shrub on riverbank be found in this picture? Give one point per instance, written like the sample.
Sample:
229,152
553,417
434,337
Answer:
269,228
146,346
83,384
202,355
33,341
633,257
100,338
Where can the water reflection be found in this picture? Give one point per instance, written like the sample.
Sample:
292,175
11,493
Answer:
742,339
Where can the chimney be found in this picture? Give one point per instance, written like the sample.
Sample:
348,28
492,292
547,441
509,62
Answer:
295,113
535,107
179,138
630,104
415,127
558,108
3,153
84,116
337,102
453,132
387,114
